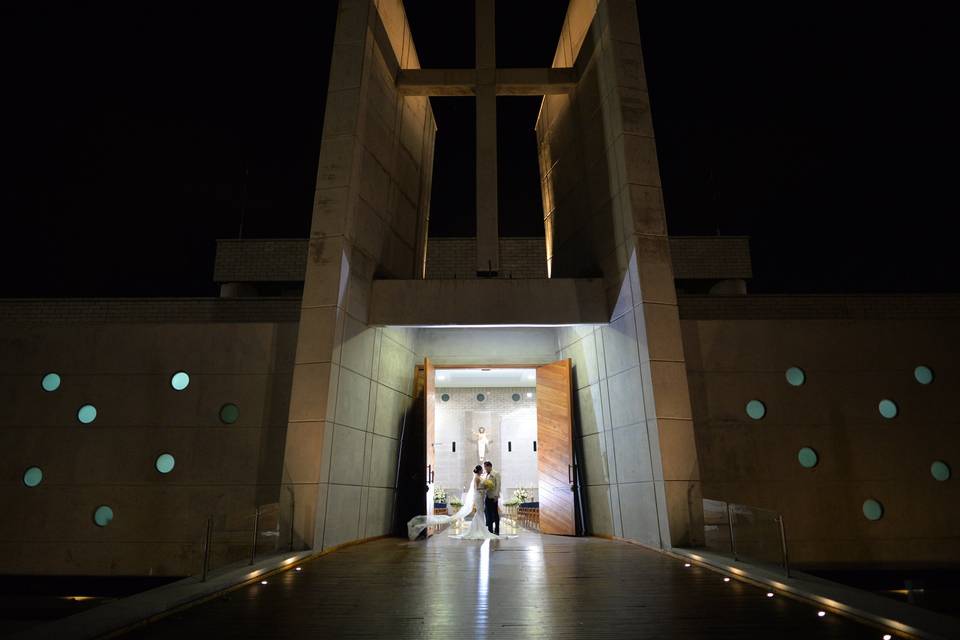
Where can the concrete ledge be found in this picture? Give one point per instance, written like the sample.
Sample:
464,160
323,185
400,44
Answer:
151,605
820,307
555,301
890,615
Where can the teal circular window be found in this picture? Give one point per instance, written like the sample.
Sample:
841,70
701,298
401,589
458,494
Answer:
924,375
807,457
50,382
445,397
756,409
87,414
33,476
229,413
872,509
180,380
796,376
515,397
165,463
940,471
103,515
481,397
888,409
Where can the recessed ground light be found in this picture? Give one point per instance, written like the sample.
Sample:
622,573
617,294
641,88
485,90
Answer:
820,614
769,594
299,569
263,582
726,579
887,636
686,564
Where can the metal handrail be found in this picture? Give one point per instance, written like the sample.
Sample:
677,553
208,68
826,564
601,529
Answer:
731,508
258,511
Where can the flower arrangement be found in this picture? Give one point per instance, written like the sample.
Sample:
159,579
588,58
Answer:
455,502
521,495
439,496
488,483
512,502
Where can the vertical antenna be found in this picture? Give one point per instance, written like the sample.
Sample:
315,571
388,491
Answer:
243,202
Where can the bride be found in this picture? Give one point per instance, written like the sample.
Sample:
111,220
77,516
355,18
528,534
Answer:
478,526
472,499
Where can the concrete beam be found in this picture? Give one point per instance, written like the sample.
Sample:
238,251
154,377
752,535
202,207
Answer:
535,82
463,82
494,301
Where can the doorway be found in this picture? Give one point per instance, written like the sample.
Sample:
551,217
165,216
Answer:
517,417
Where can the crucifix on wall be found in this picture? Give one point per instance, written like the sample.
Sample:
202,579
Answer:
486,82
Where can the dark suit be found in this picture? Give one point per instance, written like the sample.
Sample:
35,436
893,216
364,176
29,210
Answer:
492,513
490,507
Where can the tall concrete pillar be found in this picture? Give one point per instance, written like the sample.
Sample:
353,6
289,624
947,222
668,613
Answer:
604,212
352,383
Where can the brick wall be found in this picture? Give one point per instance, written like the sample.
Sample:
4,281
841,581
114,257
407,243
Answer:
457,258
694,257
711,257
151,310
283,260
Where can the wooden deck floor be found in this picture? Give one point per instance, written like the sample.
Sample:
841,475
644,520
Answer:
529,587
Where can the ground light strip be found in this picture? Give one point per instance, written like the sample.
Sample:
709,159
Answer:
742,576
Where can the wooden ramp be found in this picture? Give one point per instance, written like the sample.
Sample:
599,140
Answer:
530,587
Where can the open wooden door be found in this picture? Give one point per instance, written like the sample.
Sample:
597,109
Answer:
555,448
430,399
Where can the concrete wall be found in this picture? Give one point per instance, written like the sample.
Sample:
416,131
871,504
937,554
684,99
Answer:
850,366
352,383
493,345
604,217
124,370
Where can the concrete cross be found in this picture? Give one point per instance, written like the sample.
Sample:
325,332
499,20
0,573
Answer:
486,82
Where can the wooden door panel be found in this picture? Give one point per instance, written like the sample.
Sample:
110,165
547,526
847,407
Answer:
430,398
555,448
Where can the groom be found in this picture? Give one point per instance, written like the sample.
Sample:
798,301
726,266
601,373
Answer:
491,505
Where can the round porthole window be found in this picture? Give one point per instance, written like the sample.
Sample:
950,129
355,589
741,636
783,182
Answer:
32,476
87,414
872,509
888,409
50,382
940,471
756,409
165,463
923,375
515,397
481,397
796,376
180,380
229,413
445,397
807,457
103,515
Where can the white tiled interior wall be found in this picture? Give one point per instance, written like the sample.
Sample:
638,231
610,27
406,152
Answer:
510,426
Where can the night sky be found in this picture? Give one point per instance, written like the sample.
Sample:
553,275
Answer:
133,136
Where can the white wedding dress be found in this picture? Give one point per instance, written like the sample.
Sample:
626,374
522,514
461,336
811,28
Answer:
472,499
478,526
